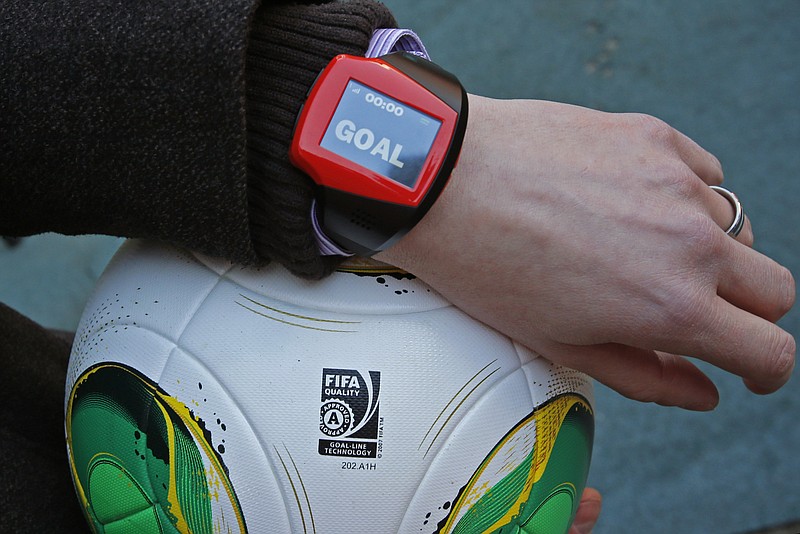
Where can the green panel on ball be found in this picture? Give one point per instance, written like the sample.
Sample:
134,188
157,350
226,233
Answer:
138,458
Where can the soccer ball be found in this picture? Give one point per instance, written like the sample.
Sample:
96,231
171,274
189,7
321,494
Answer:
206,397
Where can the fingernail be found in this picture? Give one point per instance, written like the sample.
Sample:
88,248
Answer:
706,405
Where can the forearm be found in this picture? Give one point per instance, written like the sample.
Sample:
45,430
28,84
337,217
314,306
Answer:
126,122
170,123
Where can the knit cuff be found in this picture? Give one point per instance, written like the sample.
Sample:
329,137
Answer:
289,45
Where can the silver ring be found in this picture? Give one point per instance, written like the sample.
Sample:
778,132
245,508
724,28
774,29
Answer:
738,217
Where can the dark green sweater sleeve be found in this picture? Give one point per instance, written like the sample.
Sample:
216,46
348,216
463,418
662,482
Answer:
166,120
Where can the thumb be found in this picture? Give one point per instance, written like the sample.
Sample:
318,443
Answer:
588,512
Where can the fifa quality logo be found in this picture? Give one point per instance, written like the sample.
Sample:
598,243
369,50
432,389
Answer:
349,414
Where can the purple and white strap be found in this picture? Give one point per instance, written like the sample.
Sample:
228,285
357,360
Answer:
384,41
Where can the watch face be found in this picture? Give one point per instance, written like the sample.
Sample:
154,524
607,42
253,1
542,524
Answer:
380,133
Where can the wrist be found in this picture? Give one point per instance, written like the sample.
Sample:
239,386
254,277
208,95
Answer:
380,138
420,247
288,46
384,41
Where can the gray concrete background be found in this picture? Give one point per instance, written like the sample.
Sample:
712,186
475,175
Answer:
725,72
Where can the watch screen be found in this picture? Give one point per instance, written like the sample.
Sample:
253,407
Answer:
380,133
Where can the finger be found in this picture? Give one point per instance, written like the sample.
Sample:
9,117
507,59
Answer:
756,283
746,237
640,374
737,341
588,512
701,161
756,388
725,212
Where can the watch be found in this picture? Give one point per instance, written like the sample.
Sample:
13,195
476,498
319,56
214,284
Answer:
379,137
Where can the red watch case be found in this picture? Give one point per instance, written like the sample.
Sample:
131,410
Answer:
360,209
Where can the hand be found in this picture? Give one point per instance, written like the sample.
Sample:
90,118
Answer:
588,512
594,239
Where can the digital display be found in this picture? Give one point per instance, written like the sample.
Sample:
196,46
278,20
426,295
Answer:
380,133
